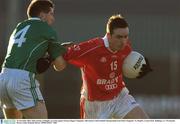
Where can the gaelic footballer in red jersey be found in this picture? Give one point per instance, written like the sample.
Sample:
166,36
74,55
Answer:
100,67
104,94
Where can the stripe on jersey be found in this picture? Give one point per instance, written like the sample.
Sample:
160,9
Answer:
33,51
89,50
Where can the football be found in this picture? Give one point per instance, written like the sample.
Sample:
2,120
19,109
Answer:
132,64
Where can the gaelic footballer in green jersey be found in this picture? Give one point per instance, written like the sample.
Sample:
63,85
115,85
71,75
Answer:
30,41
20,95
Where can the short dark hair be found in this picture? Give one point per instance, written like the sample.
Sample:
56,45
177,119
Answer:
38,6
116,21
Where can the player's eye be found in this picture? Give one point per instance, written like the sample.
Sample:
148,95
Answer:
121,36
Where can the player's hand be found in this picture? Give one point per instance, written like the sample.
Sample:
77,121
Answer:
43,64
67,44
145,69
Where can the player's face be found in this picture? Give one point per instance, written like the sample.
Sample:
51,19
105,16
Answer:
49,17
119,38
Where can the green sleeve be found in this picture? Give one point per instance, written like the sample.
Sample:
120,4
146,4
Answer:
55,48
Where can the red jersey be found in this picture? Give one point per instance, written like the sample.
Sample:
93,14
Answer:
101,68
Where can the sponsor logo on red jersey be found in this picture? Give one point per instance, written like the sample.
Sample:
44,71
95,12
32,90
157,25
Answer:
103,59
109,84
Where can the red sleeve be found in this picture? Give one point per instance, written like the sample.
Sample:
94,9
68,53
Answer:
76,53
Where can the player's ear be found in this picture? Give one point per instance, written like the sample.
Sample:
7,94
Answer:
42,16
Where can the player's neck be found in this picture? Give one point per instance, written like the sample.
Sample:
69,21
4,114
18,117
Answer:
112,48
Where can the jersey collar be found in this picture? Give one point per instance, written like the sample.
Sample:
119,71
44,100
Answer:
105,39
106,44
34,18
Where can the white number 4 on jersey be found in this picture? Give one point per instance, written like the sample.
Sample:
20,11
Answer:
19,37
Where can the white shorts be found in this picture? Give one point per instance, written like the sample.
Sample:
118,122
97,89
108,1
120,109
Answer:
18,89
117,108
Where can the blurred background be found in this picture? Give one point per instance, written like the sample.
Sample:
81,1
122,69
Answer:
154,32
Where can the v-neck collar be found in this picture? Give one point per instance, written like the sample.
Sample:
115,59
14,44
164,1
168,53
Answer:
106,44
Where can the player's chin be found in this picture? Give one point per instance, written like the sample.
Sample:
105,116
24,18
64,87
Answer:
119,47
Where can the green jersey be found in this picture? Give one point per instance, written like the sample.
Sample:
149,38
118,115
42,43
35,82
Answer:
30,41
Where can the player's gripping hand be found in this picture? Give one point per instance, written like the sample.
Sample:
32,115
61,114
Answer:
145,69
43,64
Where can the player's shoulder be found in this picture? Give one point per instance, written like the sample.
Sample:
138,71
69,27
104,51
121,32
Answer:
92,42
46,29
39,24
45,26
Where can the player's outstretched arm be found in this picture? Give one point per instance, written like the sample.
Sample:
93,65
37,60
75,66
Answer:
145,69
